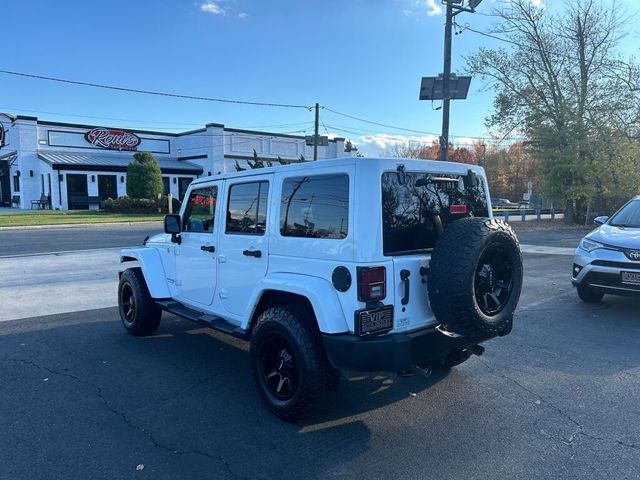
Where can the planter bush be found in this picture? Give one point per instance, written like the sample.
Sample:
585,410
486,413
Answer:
127,204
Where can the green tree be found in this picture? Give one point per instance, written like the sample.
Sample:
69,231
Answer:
144,179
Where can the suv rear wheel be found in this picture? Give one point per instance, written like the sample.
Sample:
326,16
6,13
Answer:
289,364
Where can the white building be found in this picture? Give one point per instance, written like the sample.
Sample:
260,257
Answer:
71,166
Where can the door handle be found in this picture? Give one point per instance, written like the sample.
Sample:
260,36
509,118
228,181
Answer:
208,248
404,276
252,253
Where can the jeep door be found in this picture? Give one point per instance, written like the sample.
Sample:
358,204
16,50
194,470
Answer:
196,255
244,243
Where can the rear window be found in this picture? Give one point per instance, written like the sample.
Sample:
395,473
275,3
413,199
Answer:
315,206
416,209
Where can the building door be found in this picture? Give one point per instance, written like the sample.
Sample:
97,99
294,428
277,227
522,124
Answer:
5,184
77,192
107,187
183,185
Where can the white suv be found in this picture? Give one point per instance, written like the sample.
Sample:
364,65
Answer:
357,264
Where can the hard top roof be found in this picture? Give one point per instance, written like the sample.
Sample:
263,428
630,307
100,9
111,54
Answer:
362,162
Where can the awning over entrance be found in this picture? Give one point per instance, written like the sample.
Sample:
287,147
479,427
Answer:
9,156
111,163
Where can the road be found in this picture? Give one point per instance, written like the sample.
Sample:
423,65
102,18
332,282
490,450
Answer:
28,242
555,399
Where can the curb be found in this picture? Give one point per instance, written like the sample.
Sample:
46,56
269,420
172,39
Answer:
80,225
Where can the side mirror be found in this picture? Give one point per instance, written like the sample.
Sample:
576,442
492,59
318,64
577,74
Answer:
600,220
172,226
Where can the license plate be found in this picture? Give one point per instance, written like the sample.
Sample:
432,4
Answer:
378,320
631,278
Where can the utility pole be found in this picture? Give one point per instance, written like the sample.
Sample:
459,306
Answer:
444,138
315,135
447,87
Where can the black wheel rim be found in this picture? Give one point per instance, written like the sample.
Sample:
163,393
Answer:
127,303
278,366
493,280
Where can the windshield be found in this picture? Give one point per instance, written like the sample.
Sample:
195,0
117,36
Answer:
627,216
415,212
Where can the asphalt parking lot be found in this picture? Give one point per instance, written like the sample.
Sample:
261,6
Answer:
558,398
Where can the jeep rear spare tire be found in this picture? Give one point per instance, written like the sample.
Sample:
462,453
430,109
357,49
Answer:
475,277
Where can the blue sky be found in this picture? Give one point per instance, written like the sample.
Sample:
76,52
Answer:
360,57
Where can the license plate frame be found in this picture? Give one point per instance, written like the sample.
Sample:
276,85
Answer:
374,321
630,278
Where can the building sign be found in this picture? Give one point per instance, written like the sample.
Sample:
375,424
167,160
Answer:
112,139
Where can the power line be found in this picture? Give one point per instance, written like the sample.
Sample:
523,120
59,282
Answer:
146,122
152,92
395,127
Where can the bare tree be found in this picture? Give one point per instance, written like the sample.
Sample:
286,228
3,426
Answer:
563,84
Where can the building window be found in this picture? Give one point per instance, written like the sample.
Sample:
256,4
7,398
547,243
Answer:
200,212
315,206
165,186
16,183
247,208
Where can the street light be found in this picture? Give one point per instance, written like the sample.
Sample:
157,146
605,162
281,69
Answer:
430,88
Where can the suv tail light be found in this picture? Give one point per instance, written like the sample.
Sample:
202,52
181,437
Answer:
458,209
371,283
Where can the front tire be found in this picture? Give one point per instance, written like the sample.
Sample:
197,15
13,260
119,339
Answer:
588,294
138,312
289,364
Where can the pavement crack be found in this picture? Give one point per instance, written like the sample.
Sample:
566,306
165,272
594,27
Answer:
578,432
127,421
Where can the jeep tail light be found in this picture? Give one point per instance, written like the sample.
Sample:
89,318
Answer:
371,283
458,209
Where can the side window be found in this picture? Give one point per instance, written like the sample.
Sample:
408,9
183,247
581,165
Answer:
200,212
315,206
247,208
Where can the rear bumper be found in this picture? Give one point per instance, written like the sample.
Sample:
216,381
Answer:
392,352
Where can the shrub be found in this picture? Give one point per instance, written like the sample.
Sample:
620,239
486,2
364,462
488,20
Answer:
144,179
131,205
127,204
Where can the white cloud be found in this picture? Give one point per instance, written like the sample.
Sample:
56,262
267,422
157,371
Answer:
383,141
212,7
433,8
420,7
380,143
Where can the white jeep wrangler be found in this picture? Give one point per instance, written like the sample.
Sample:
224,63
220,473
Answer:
357,264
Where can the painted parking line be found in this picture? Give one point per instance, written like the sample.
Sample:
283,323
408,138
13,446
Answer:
544,250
